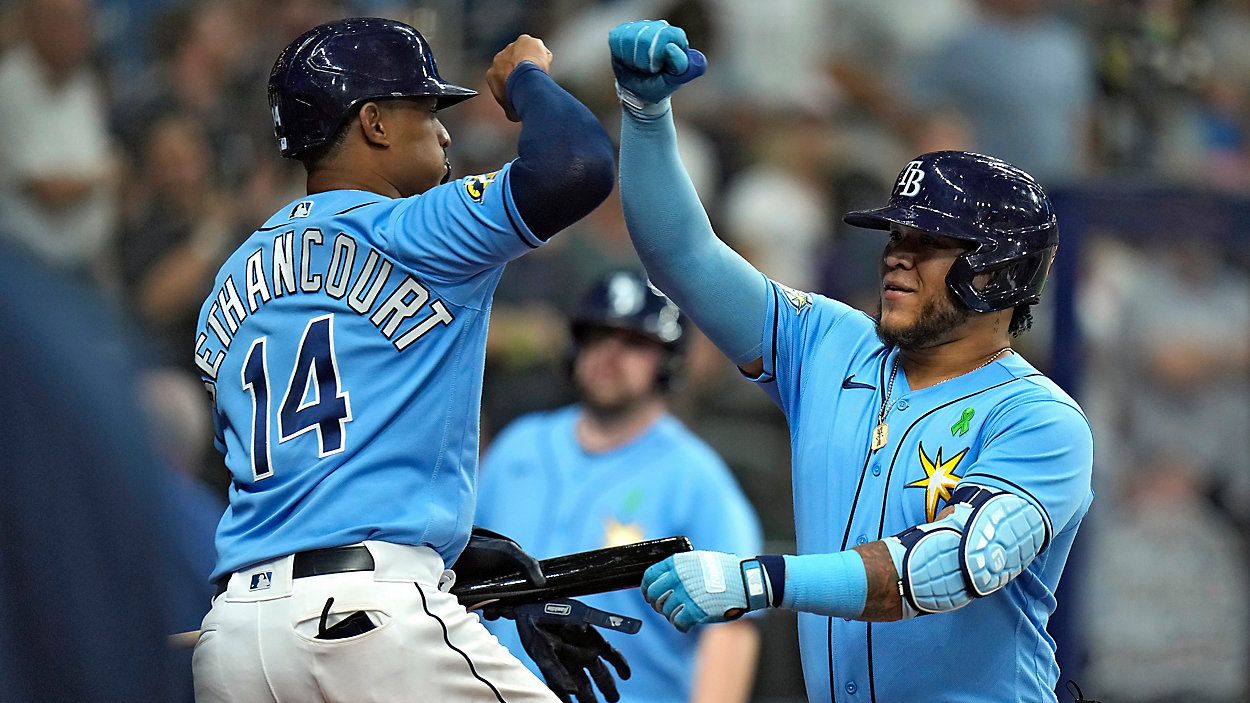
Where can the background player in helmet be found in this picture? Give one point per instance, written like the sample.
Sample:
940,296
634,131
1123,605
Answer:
343,344
617,468
932,466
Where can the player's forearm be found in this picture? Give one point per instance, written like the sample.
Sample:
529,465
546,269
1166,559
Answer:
883,603
565,159
721,291
725,663
859,584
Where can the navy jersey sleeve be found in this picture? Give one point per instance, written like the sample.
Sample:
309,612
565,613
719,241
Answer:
1043,451
460,229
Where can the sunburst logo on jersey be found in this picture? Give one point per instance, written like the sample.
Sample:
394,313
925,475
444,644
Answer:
616,533
939,479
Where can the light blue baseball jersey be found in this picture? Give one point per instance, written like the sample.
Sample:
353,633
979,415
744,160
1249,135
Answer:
344,344
541,488
1004,426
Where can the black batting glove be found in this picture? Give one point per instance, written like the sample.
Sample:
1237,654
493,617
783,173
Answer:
490,554
570,655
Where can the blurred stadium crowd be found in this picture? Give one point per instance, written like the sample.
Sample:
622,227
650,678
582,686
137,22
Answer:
136,151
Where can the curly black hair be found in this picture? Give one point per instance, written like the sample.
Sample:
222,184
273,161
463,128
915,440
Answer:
1021,320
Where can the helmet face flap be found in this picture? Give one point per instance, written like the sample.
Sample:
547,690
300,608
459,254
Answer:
329,70
996,207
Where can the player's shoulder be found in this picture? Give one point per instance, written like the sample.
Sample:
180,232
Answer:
1035,385
472,190
1031,393
819,313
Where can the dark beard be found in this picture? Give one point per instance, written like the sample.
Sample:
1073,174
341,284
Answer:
937,318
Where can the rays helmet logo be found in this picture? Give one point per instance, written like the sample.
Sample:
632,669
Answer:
909,180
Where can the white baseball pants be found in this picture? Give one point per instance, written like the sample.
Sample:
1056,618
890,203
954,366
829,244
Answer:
259,643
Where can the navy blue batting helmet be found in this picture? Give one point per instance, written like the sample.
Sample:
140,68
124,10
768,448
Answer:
626,300
995,206
320,77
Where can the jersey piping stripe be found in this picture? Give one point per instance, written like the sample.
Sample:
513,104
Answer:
354,207
516,228
270,229
863,471
443,625
872,679
771,372
846,533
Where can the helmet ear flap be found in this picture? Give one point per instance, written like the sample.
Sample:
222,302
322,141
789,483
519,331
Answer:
1004,281
959,279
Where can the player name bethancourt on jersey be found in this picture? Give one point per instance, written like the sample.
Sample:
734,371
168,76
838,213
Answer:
289,275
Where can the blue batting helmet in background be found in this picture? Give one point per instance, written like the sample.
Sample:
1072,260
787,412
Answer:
329,70
995,206
626,300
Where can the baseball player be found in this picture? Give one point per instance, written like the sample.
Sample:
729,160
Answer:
939,479
618,468
343,345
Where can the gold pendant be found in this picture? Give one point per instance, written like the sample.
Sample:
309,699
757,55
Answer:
880,435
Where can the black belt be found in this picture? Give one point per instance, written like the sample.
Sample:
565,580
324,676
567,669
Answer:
318,562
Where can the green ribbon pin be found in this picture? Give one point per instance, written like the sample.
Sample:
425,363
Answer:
961,428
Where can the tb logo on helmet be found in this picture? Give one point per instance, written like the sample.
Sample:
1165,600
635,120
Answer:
909,180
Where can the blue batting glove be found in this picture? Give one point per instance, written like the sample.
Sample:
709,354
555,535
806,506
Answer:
651,59
693,588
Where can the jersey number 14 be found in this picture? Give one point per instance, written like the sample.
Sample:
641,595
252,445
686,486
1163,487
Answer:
314,400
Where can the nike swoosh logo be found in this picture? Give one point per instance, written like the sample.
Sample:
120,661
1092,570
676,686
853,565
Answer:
849,384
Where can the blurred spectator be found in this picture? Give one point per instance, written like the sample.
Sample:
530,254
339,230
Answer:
172,247
56,163
197,46
774,53
1020,76
1226,27
875,49
777,211
1184,360
1169,331
1167,611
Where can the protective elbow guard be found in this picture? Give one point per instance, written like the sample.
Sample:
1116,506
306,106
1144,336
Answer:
988,540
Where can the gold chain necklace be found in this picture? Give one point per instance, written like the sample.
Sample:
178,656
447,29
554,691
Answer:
881,433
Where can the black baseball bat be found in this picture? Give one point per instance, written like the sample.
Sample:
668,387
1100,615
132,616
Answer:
572,575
